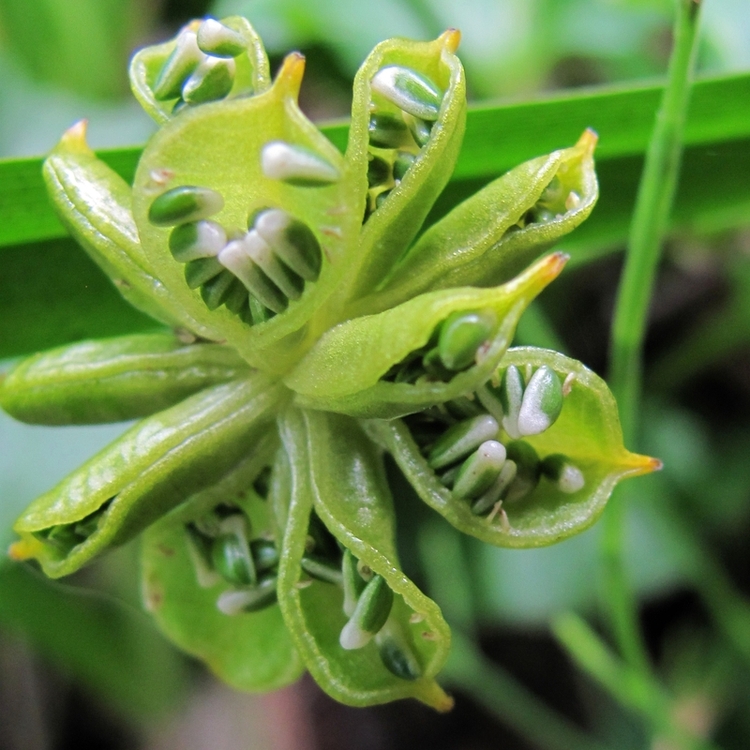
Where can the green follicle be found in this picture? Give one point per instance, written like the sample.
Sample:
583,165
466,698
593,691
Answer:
560,470
409,91
528,470
249,598
211,80
480,470
214,38
497,491
369,616
462,439
292,240
184,59
462,335
387,131
66,536
378,171
198,272
184,204
542,402
296,165
404,160
199,239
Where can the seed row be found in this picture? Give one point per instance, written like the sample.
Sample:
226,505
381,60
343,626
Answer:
395,139
201,68
553,203
254,273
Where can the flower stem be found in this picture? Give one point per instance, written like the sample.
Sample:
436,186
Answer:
653,205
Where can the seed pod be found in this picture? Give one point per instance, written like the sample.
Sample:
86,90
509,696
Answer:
395,652
216,291
265,554
409,91
528,470
461,336
211,80
214,38
461,439
322,568
420,130
184,204
237,601
201,271
559,469
486,502
296,165
261,253
404,160
236,258
378,171
369,616
292,240
200,239
511,397
553,196
184,59
480,470
542,402
387,131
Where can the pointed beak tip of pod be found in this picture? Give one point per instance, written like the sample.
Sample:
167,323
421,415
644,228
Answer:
291,73
551,266
588,140
74,138
450,39
21,550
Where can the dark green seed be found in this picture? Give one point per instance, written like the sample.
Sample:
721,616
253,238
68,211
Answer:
265,554
199,272
216,291
232,561
381,198
236,298
480,470
211,80
397,660
179,65
378,171
387,131
184,204
404,160
420,130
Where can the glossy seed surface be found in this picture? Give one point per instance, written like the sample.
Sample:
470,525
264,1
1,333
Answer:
296,165
184,204
214,38
408,90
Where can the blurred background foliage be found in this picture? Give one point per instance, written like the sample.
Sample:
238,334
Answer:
81,666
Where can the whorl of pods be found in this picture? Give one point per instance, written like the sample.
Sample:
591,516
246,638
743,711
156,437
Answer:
202,67
464,441
396,138
224,552
254,273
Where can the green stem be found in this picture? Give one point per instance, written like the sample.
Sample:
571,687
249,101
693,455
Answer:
648,228
643,696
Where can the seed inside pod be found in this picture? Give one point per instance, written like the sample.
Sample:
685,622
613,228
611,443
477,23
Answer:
420,130
198,239
214,38
560,469
211,80
511,396
296,165
292,240
461,336
236,258
232,560
236,297
378,171
185,58
404,160
542,402
480,470
184,204
198,272
409,91
284,278
397,657
461,439
215,292
484,503
249,599
322,568
387,131
528,470
369,616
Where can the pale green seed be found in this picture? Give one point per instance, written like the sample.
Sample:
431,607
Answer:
263,255
369,616
404,160
211,80
292,240
184,204
461,336
387,131
214,38
199,272
480,470
511,397
198,239
184,59
542,402
236,258
462,439
409,91
420,130
296,165
250,599
567,476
